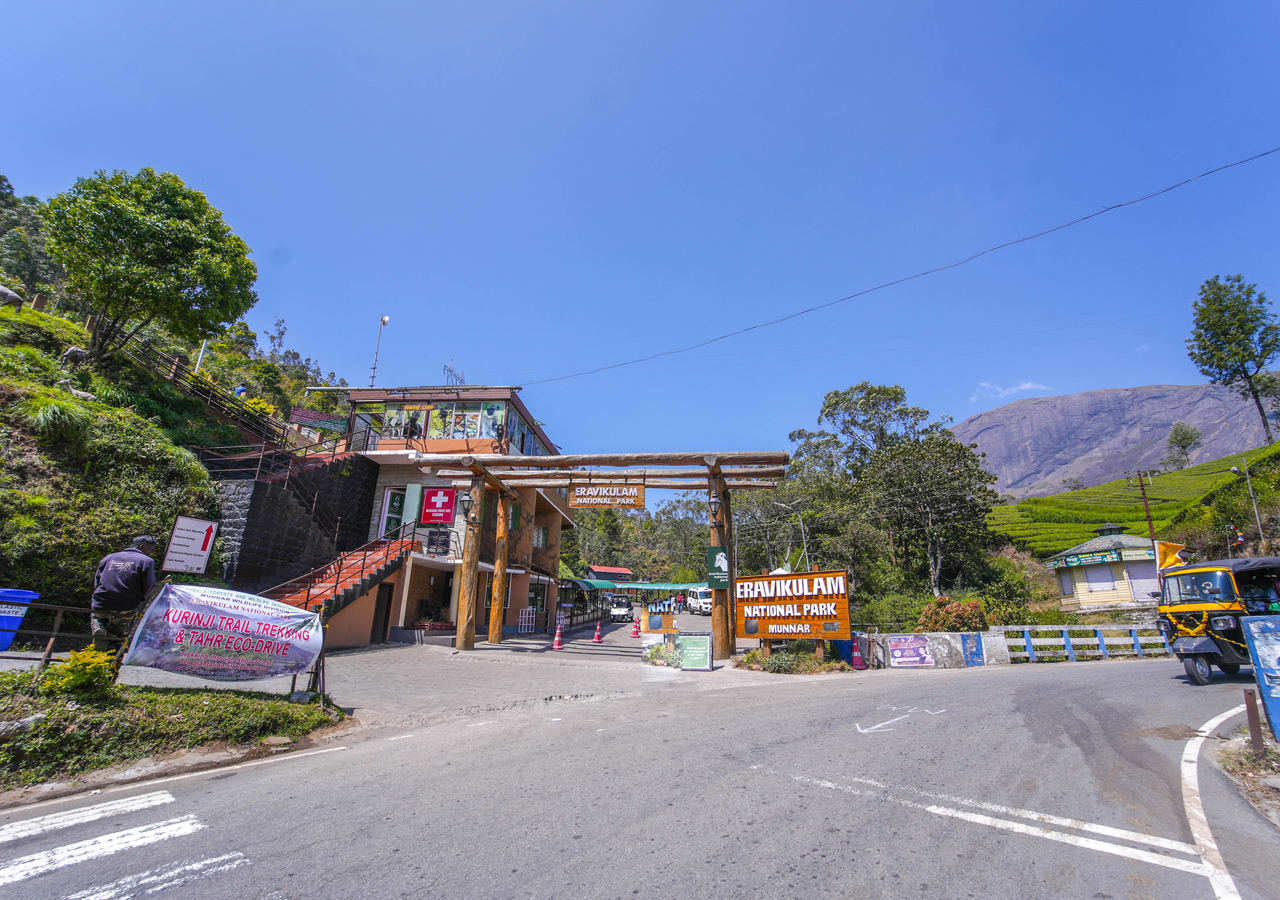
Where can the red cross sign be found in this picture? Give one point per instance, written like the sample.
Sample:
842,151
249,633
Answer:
437,506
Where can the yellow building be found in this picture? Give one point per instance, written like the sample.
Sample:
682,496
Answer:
1112,571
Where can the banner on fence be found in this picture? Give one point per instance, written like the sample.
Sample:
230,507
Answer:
224,635
1263,636
906,650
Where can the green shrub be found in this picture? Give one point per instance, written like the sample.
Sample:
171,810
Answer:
88,674
782,663
751,658
56,418
949,614
1005,612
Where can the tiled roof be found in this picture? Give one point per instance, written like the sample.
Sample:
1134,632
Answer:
1107,542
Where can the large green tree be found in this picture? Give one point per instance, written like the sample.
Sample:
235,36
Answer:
145,247
1235,337
22,243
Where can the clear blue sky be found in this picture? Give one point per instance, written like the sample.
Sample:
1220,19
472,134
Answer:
531,190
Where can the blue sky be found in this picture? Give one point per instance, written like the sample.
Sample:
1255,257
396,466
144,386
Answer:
535,189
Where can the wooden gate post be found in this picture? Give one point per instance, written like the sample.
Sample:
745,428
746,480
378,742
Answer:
726,510
499,593
470,564
721,627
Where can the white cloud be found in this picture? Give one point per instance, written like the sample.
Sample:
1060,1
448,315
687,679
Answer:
986,390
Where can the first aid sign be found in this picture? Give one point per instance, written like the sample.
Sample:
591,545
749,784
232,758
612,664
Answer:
437,506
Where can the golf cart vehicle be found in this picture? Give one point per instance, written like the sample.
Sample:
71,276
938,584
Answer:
1201,605
620,609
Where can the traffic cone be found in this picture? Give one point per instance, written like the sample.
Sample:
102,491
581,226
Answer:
635,627
597,639
556,644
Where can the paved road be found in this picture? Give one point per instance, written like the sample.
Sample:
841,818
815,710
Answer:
1031,781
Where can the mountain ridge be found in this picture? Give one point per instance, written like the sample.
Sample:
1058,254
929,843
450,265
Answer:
1036,445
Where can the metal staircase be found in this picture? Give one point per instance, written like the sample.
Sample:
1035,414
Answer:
336,584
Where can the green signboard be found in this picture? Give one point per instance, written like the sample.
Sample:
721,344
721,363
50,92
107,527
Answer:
694,649
717,568
1087,559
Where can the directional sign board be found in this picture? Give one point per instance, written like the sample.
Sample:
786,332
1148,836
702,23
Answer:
437,506
189,545
811,605
1263,635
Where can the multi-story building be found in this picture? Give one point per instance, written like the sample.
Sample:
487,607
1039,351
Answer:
395,427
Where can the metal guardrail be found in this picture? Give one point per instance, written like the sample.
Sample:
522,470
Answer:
1082,642
59,613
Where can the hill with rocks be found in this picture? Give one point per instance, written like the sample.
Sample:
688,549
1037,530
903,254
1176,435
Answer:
1040,445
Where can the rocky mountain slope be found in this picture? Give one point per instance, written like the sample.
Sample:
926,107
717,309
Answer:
1036,446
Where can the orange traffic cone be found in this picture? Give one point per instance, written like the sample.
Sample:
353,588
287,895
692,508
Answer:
635,627
597,639
556,644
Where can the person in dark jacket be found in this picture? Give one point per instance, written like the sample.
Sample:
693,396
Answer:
122,585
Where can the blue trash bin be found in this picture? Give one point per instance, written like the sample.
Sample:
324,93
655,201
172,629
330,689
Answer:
843,649
13,607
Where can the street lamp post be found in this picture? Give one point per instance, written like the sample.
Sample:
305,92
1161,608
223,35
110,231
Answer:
1262,538
804,540
373,374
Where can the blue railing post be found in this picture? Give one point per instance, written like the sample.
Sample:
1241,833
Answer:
1102,643
1066,642
1167,648
1031,650
1137,645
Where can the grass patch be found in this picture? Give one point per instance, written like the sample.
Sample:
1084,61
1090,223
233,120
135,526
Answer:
80,733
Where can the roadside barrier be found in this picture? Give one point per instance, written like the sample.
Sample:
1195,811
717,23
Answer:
1030,643
635,627
597,639
558,643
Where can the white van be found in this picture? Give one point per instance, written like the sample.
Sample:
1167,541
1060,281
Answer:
698,600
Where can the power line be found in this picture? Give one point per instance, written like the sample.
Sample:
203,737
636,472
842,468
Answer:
932,271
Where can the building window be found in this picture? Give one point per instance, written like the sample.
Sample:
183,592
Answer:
540,536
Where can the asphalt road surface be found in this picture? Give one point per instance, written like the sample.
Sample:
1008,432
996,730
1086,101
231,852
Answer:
1029,781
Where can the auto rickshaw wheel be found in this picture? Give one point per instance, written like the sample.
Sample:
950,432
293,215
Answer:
1198,670
1229,668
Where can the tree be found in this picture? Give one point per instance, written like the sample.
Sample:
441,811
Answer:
22,243
1183,438
142,248
933,495
1235,337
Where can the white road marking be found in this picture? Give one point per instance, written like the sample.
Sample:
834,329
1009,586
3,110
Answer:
29,827
874,729
478,724
400,737
1155,859
141,784
1219,878
25,867
556,720
156,880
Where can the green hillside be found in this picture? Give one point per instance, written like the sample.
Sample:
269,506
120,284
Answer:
1048,525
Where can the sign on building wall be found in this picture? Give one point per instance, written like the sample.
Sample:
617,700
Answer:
802,605
717,568
1138,553
1089,559
616,496
224,635
314,418
189,545
437,506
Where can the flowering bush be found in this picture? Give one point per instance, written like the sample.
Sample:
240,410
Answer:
85,673
947,614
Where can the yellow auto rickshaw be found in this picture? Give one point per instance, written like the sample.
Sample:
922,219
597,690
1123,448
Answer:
1201,605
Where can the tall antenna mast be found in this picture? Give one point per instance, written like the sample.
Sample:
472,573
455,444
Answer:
452,375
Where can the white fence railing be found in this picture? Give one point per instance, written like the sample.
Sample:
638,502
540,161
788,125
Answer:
1027,643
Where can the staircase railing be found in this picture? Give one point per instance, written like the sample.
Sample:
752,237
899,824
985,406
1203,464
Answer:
221,401
372,556
278,465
